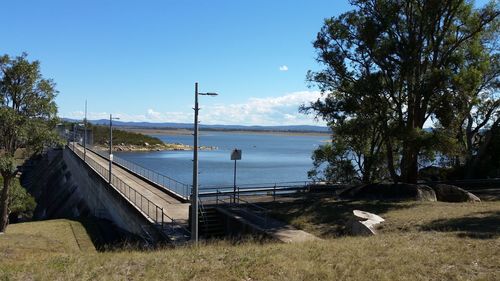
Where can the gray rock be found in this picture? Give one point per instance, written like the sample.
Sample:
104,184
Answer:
451,193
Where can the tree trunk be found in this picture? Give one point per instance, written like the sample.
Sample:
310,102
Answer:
472,165
409,164
4,203
390,161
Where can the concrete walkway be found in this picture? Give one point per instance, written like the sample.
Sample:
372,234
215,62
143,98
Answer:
274,228
172,207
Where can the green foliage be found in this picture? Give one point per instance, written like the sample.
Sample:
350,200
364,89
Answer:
332,164
28,115
396,65
101,137
27,107
21,203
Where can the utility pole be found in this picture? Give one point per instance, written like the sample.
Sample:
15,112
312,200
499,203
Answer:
85,134
110,145
194,191
194,196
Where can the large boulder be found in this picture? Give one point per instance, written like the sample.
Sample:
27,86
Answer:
451,193
363,223
398,191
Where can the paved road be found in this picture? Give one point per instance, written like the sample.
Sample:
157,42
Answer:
172,207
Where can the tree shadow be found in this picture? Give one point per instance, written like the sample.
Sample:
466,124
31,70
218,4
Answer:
480,225
328,216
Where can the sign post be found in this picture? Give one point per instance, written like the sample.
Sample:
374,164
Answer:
235,155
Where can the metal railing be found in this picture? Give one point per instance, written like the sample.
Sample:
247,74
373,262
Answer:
147,207
254,210
261,189
169,184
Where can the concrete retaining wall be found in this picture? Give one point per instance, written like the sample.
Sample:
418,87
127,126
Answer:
66,187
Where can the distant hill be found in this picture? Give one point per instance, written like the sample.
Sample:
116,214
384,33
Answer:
291,128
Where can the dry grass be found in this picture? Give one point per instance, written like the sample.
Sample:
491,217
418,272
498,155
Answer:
421,241
326,217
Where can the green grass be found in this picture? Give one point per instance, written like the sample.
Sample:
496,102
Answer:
22,240
419,241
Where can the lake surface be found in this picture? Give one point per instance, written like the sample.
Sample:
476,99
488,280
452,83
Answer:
266,158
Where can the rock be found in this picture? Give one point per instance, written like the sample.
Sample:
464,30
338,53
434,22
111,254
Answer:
398,191
362,215
364,223
146,144
451,193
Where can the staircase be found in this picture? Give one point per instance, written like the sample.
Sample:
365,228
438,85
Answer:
210,223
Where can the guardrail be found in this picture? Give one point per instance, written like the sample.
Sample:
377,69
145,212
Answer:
258,212
169,184
147,207
260,189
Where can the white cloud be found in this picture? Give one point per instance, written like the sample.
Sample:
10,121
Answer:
283,68
281,110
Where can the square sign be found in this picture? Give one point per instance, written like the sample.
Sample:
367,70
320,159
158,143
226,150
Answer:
236,154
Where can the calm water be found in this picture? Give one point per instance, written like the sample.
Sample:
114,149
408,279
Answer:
266,158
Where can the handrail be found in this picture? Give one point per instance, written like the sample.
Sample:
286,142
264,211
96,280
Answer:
151,210
249,205
170,184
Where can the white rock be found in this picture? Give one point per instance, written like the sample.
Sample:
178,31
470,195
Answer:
364,223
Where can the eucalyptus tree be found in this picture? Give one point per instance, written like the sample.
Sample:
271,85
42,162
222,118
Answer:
397,61
27,118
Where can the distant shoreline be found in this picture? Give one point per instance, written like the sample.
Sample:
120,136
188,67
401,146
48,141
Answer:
174,132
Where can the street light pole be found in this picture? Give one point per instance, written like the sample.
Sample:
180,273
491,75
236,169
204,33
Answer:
194,192
110,145
194,196
74,136
85,133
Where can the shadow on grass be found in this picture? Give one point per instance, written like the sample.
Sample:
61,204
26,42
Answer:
106,236
325,215
481,225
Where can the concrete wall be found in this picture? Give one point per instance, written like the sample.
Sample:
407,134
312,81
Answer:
66,187
102,200
236,226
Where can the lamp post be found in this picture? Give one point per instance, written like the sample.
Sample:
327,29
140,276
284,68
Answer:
194,192
111,143
74,136
85,133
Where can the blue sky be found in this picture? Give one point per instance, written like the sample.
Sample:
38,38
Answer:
139,59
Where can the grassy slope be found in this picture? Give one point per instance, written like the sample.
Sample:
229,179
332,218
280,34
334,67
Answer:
421,241
44,237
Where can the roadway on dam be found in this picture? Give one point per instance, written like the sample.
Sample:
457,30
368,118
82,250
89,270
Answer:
172,207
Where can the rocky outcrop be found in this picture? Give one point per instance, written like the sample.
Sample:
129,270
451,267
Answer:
363,223
451,193
400,191
152,147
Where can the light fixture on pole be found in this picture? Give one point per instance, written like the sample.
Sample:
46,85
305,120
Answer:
111,143
194,192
